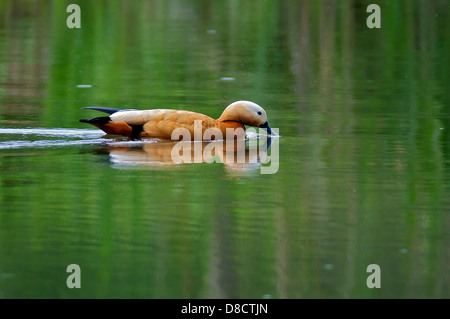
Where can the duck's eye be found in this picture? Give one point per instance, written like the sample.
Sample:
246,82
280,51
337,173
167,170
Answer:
259,113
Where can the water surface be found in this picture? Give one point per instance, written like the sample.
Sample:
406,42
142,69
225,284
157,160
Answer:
364,159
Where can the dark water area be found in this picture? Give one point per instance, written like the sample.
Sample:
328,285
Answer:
363,172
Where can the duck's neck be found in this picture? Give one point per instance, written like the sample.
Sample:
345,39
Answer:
229,115
231,119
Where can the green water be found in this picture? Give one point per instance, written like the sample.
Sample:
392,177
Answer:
364,153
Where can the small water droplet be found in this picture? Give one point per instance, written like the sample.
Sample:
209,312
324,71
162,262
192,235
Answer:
211,31
84,86
227,79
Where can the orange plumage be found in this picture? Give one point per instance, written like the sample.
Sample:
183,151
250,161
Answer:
176,124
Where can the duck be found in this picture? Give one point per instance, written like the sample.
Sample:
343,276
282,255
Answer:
170,124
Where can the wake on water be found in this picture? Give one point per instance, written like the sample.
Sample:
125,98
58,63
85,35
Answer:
62,137
66,137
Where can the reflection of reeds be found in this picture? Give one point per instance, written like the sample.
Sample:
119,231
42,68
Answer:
355,81
23,62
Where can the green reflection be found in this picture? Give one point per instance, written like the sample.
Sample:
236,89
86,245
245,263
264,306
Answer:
364,154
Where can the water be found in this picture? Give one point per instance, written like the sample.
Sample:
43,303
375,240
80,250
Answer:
364,159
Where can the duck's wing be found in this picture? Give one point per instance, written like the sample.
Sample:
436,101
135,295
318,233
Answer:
161,115
163,122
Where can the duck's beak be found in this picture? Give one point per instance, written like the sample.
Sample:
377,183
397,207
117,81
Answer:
267,127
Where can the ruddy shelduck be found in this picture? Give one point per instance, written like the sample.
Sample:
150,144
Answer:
163,123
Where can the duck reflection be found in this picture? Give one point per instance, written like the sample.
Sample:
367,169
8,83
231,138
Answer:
239,156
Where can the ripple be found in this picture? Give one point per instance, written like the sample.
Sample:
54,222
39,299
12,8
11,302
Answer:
70,137
54,132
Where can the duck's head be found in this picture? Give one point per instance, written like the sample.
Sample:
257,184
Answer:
246,113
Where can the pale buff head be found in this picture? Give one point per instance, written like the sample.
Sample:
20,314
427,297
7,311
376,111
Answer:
246,113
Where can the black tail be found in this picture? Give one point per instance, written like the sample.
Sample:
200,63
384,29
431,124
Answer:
107,109
98,120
